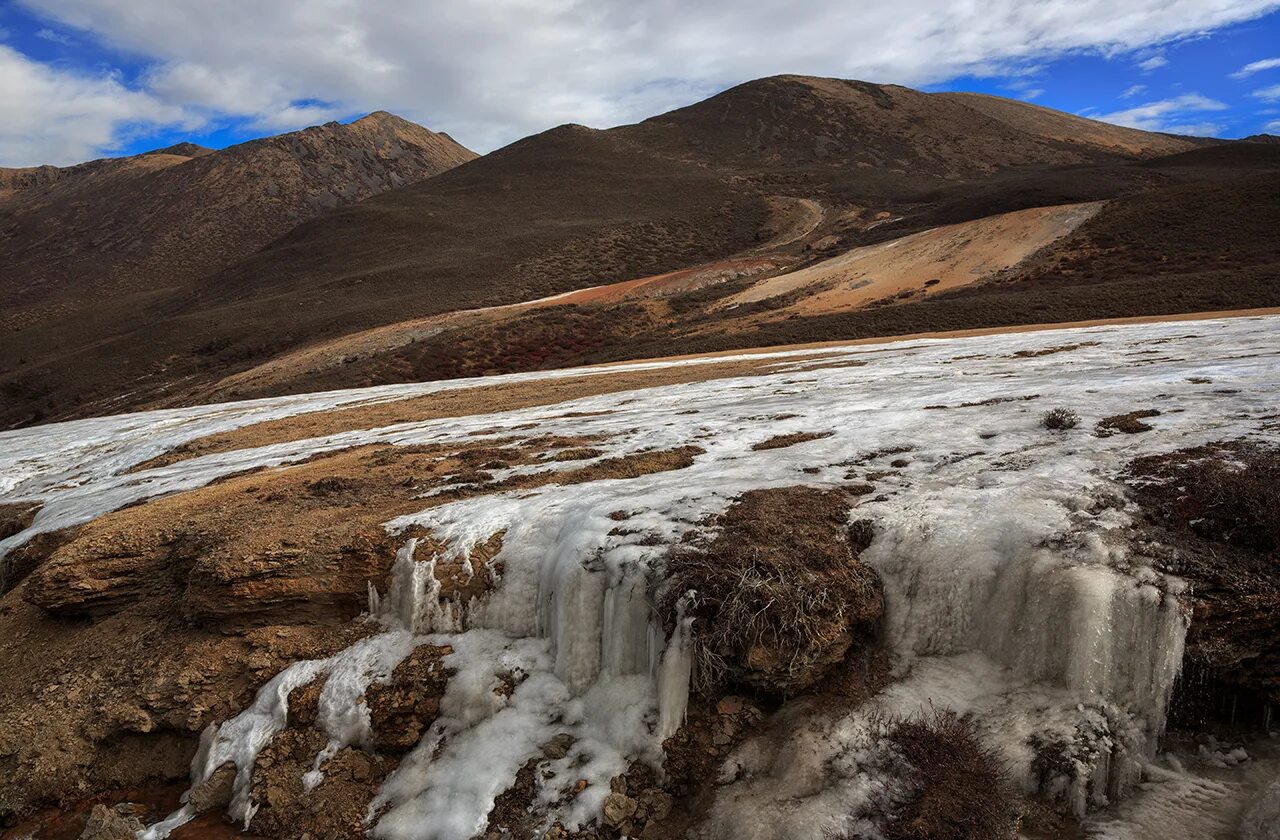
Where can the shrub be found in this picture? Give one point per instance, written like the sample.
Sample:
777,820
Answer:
781,595
1060,419
964,790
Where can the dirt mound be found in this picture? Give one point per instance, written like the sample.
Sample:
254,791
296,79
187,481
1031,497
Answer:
1213,514
780,594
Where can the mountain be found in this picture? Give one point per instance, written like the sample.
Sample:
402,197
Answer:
765,178
85,248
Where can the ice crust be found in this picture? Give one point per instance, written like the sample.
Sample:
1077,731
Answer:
1011,591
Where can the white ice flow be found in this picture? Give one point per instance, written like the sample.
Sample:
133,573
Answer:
1012,591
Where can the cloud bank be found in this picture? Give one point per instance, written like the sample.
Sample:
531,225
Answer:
491,71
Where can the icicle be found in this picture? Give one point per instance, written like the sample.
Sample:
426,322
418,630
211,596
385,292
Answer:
675,671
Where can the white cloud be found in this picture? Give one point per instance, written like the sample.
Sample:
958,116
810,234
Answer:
490,72
1169,115
49,115
1270,94
1153,63
1133,90
1273,127
1196,129
56,37
1256,67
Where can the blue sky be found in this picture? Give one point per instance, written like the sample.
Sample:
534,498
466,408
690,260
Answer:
1204,65
88,78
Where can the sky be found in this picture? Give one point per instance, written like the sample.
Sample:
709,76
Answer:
81,79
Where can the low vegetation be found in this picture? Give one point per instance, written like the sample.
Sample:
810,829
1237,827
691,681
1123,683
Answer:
783,441
1060,419
781,595
1127,424
1212,521
1226,493
964,789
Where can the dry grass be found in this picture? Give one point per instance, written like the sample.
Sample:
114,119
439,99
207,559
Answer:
783,441
1129,424
1060,419
781,595
965,793
1226,493
1212,512
1049,351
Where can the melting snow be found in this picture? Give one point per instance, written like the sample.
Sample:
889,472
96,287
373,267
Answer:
1011,591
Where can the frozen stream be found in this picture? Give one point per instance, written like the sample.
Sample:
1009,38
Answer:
1012,592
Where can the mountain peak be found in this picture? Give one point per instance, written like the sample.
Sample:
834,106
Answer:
386,119
182,150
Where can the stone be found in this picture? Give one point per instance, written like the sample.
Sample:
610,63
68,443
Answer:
618,808
107,824
559,746
214,792
730,705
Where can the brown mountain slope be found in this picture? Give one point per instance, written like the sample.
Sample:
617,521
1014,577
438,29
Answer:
849,134
1084,135
1197,238
769,166
155,220
85,249
42,183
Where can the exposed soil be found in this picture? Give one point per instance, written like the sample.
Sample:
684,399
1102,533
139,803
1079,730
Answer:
1212,511
783,441
1129,423
150,622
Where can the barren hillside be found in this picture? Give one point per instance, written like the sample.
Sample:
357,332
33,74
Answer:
770,176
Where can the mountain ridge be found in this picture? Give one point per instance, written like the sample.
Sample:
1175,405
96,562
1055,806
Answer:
838,163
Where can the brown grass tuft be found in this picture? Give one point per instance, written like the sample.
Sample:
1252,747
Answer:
1049,351
1060,419
965,793
1129,424
783,441
781,595
1228,493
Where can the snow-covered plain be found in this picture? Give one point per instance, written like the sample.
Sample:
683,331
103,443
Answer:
1012,591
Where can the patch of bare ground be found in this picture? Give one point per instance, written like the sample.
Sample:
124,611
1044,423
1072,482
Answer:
1127,424
401,709
781,594
16,517
465,402
963,789
1049,351
148,623
783,441
1211,514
